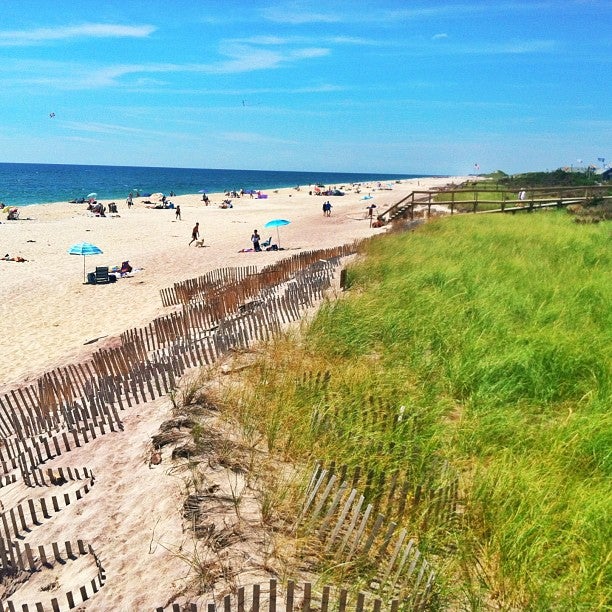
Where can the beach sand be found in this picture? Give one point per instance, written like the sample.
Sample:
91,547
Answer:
132,516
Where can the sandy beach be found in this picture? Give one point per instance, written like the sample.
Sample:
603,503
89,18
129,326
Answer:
132,516
51,318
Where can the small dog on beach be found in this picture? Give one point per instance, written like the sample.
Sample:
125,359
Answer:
199,243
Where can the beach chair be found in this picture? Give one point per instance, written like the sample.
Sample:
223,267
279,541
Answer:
266,243
102,276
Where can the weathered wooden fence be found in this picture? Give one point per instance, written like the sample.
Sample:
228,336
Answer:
305,597
248,279
429,502
28,561
148,360
70,406
353,535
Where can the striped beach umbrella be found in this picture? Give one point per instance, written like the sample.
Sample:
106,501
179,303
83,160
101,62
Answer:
84,249
277,223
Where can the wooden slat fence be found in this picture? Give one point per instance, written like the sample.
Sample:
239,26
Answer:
182,292
69,406
147,362
353,534
205,287
306,597
26,560
430,502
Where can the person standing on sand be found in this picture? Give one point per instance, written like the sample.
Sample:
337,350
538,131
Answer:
195,233
178,212
370,212
129,200
255,238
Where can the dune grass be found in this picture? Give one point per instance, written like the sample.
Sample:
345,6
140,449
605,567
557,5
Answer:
494,336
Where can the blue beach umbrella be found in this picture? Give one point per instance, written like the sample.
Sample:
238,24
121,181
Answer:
277,223
84,249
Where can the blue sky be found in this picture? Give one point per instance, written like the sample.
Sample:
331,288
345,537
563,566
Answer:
387,86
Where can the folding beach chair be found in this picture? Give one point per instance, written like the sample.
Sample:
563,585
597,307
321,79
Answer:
102,276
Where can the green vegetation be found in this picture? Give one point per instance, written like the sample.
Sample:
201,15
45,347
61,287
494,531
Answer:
486,195
557,178
492,335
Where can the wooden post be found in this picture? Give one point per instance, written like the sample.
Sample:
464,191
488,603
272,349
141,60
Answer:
307,597
360,602
255,603
342,600
289,596
272,596
325,599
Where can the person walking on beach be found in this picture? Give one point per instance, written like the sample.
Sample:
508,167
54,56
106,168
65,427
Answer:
129,200
178,213
255,238
195,233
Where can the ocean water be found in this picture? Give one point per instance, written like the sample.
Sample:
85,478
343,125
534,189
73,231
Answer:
27,184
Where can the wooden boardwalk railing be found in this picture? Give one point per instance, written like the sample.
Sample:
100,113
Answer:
536,198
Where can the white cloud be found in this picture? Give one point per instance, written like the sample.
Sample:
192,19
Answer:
297,17
83,31
308,53
512,47
439,36
252,138
118,130
479,47
235,59
301,40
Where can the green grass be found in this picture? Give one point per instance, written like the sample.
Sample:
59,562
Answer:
496,335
